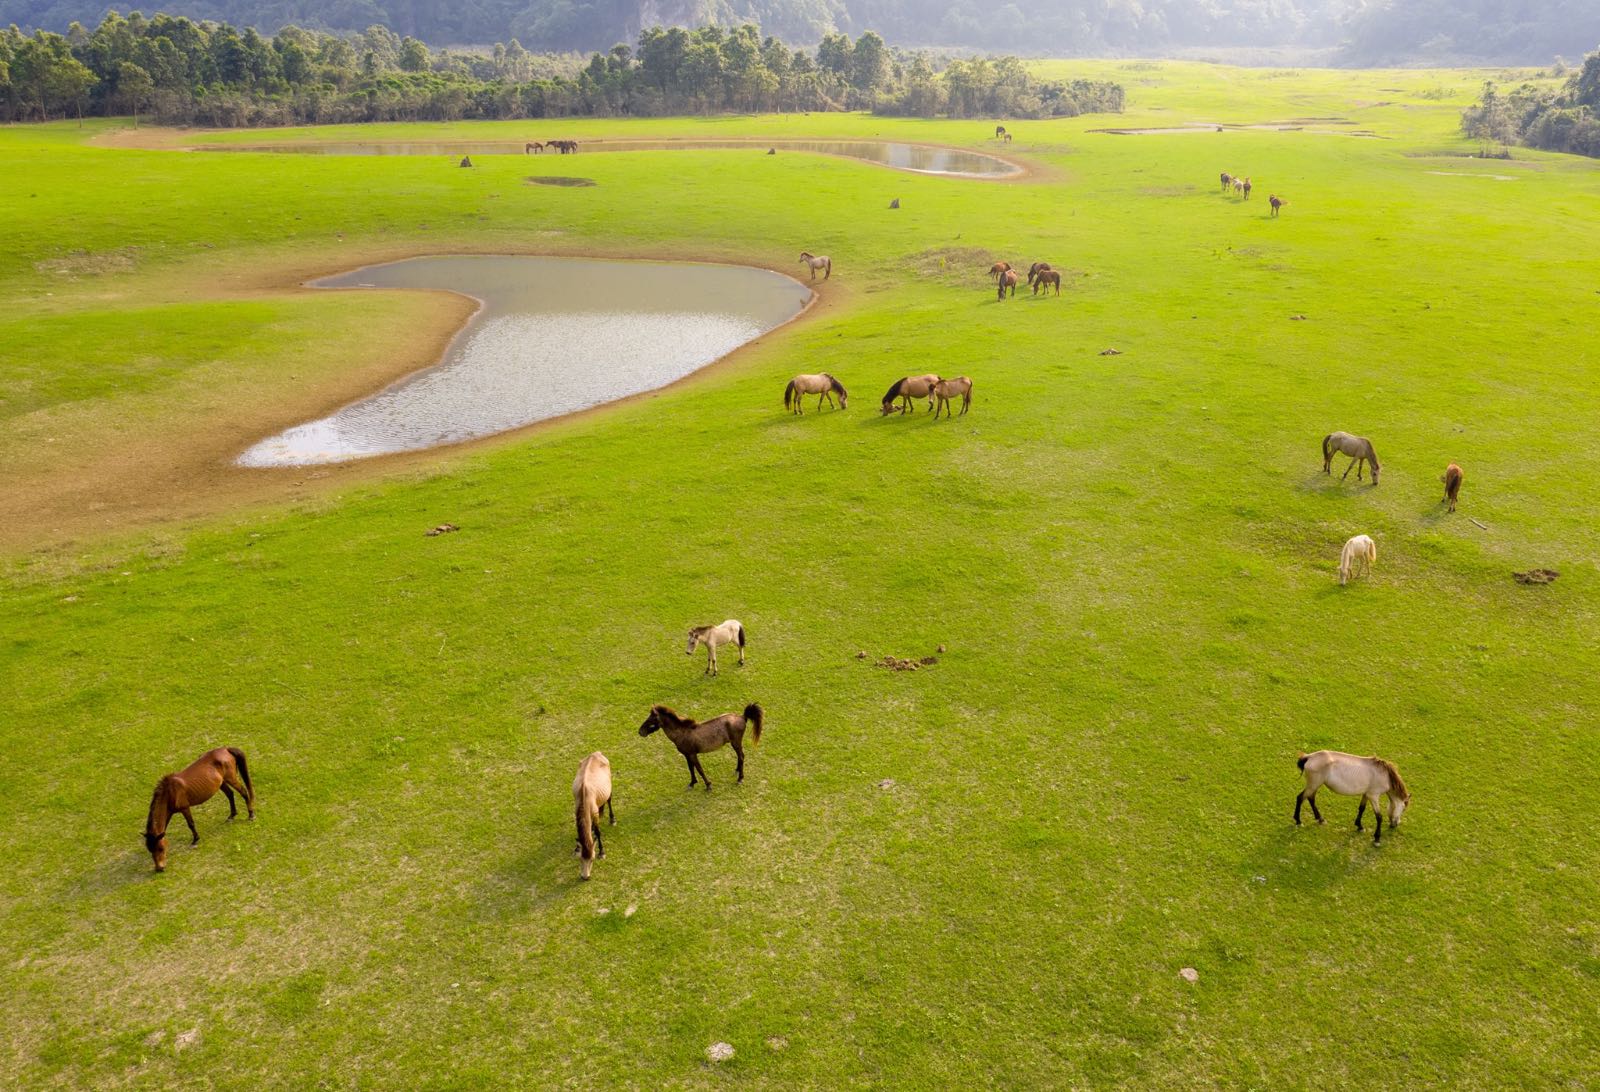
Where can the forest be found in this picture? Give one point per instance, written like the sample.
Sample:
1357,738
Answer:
1556,121
180,72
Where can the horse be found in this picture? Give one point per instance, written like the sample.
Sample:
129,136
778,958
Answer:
945,391
1238,187
1452,477
1009,279
591,792
816,262
912,386
224,768
822,385
533,147
1247,189
1357,556
998,268
1350,775
1007,138
999,131
712,636
1037,268
1047,277
1276,202
1227,180
1359,448
694,740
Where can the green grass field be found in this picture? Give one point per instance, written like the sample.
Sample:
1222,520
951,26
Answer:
1130,560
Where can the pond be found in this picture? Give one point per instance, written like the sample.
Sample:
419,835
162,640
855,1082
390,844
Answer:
553,336
918,158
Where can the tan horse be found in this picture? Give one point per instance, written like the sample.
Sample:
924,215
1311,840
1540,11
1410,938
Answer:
1350,775
945,391
998,268
1359,448
1357,557
823,385
1046,278
1009,279
1452,478
1238,187
912,386
694,740
591,792
533,147
816,262
712,636
224,768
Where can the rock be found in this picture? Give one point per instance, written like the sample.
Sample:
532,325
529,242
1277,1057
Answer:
1110,352
633,908
442,529
928,661
187,1039
862,655
1189,974
941,648
719,1052
886,783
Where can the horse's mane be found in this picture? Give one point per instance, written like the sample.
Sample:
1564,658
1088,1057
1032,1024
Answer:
894,391
1372,453
837,386
1396,786
155,794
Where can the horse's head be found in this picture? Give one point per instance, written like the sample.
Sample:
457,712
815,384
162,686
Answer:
806,255
694,640
889,406
1375,469
651,722
157,845
1397,807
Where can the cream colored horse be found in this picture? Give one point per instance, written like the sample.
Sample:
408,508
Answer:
823,385
712,636
912,386
1357,557
816,262
946,390
1351,775
591,792
1359,448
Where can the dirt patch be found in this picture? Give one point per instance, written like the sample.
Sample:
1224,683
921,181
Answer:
957,263
442,529
897,663
559,180
1535,576
77,264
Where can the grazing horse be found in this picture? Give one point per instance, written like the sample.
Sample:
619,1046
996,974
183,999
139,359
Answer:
591,792
1452,477
999,131
816,262
1238,187
1047,277
533,147
1008,138
1037,268
945,391
1227,181
823,385
912,386
1357,557
1247,189
998,268
1009,279
224,768
694,740
1276,202
712,636
1359,448
1351,775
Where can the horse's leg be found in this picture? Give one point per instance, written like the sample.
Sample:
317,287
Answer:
233,809
611,811
1298,801
188,817
1311,799
689,758
704,779
1377,835
1346,473
738,750
1360,811
599,846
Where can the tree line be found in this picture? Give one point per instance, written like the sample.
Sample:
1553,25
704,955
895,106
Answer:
182,72
1564,120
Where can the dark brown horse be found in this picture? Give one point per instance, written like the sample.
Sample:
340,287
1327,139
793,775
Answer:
1227,181
694,740
1247,189
1009,279
223,768
999,131
1037,268
1046,278
1453,476
1276,202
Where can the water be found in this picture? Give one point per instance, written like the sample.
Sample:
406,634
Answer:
554,335
919,158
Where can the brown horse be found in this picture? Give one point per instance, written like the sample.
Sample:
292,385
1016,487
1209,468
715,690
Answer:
1247,189
912,386
694,740
223,768
945,392
1359,448
1227,181
1453,475
1047,277
591,792
1037,268
1009,279
1276,202
533,147
821,384
998,268
999,131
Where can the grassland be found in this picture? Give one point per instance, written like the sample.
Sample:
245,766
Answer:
1129,558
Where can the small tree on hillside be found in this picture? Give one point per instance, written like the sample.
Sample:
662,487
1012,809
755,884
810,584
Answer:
134,88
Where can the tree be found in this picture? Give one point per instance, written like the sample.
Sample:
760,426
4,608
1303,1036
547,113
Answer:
869,63
413,56
833,55
134,88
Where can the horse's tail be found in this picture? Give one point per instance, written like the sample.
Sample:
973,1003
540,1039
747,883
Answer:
752,716
788,394
244,771
1301,761
585,827
1327,447
741,634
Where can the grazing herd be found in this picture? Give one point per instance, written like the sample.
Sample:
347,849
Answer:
1041,277
1241,187
565,147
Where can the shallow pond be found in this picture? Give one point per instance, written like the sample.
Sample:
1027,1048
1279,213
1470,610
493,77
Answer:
920,158
553,336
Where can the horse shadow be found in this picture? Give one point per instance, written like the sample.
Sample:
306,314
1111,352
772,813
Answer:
1331,485
1312,858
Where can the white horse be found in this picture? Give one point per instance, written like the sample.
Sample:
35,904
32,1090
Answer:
1351,775
1359,448
1357,557
816,262
591,792
823,385
712,636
